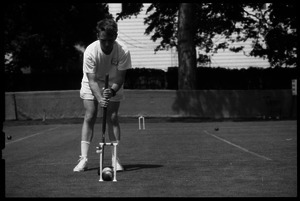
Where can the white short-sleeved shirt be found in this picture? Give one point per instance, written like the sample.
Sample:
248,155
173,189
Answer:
95,61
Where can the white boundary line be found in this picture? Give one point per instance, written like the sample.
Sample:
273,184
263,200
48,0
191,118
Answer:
237,146
42,132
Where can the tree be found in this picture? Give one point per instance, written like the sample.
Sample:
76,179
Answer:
263,23
42,36
276,23
186,47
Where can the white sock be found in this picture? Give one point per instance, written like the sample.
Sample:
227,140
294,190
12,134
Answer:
113,151
85,148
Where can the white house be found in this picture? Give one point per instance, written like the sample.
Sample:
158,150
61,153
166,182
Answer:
131,32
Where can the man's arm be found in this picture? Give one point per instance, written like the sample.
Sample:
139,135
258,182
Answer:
119,81
96,89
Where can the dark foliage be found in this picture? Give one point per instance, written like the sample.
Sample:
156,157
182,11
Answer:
142,78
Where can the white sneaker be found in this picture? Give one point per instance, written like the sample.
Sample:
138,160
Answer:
82,165
119,166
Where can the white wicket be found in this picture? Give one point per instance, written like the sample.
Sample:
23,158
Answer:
141,123
100,150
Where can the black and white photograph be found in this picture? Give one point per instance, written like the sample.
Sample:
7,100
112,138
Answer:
149,100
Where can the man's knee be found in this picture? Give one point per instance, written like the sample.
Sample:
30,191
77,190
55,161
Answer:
113,113
90,117
114,118
90,111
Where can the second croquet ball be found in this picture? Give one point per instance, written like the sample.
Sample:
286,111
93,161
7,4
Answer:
107,174
216,129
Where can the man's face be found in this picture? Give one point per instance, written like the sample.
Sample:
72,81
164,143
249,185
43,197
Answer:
106,42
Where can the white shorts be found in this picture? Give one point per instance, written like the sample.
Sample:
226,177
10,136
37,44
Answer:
86,94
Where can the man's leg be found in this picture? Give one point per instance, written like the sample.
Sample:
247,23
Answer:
87,132
114,130
91,108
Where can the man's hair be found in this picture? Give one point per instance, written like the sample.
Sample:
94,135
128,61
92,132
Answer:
109,26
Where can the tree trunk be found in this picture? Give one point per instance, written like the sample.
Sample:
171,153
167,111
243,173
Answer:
186,48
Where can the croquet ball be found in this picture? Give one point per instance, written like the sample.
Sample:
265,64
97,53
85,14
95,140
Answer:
9,137
107,174
216,129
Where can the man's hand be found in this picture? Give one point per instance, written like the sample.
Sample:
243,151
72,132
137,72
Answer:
107,93
104,102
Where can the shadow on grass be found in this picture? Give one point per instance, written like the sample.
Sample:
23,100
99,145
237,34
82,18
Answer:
132,167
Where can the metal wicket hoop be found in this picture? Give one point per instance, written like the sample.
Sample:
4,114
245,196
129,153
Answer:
100,151
141,122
